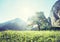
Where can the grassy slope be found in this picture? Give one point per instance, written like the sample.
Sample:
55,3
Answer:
30,36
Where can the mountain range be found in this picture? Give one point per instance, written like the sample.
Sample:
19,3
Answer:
15,24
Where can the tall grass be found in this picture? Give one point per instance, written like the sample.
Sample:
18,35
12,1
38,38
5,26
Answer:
30,36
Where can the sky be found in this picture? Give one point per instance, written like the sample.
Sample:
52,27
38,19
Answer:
11,9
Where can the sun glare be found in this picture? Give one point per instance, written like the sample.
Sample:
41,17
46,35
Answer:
25,13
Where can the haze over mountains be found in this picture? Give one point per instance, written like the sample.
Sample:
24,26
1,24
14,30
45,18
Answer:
16,24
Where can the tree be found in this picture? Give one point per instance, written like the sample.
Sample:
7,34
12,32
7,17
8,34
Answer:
49,20
39,19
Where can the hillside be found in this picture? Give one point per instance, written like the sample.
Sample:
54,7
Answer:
16,24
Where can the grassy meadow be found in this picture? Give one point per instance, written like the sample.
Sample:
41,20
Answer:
30,36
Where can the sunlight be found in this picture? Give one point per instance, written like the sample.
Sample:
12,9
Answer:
26,12
23,9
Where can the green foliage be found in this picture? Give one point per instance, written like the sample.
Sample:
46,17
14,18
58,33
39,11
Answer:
40,20
30,36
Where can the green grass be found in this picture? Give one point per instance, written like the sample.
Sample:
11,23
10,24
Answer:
30,36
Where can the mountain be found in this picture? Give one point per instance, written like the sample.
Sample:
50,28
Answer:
16,24
55,11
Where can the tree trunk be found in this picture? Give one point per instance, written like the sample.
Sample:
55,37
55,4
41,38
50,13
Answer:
39,27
